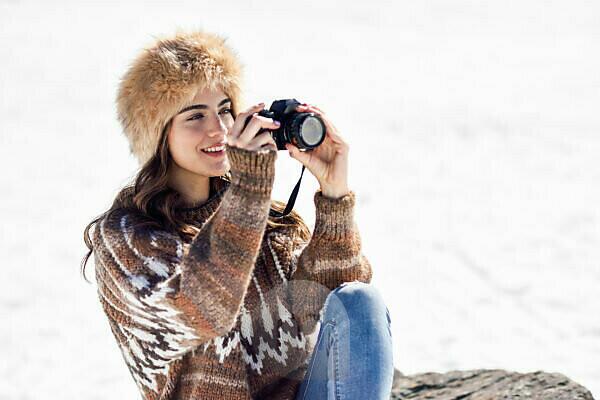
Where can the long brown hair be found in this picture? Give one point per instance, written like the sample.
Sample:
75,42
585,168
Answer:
150,195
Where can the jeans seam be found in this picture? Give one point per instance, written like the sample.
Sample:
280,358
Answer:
313,361
337,360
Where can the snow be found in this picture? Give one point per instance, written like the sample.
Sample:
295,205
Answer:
473,129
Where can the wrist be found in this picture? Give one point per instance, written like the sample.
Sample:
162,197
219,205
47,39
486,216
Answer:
253,171
334,192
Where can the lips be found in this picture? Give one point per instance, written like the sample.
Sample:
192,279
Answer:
214,145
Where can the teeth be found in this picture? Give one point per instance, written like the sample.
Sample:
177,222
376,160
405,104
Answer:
214,149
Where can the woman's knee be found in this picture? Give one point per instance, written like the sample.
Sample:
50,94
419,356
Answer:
357,295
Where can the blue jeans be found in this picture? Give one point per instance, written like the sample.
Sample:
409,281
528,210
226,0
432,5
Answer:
353,356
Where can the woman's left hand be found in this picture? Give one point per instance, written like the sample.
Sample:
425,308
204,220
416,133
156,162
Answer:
328,162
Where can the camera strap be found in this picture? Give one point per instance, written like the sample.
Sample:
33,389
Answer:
291,201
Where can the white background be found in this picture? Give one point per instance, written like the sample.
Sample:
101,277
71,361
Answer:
474,135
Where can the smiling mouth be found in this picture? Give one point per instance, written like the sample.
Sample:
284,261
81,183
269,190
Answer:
215,148
214,152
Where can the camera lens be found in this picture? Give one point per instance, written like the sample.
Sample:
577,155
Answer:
311,131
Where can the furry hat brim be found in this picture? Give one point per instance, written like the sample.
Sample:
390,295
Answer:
165,77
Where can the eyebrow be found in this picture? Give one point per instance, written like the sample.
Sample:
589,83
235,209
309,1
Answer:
203,106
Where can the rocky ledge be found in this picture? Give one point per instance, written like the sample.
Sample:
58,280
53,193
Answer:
488,384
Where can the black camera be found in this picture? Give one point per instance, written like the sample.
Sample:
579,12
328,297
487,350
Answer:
305,130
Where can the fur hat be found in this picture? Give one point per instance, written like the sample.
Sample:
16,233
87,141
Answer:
165,77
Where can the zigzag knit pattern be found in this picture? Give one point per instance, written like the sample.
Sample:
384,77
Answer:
232,312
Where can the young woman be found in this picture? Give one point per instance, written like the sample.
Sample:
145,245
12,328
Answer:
207,296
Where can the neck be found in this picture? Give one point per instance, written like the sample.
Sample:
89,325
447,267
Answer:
194,189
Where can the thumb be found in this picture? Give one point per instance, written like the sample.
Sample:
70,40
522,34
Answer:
297,154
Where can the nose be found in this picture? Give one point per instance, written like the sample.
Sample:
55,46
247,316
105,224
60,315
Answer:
218,128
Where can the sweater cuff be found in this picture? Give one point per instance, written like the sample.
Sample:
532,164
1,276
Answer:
252,170
335,217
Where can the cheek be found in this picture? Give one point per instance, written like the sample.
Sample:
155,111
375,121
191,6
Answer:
182,143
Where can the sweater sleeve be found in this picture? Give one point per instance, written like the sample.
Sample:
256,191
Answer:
164,297
332,256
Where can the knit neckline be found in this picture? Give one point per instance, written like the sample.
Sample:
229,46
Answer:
198,213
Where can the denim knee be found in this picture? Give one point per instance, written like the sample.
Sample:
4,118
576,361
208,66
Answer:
358,297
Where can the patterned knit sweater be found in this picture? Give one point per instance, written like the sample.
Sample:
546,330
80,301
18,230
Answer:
231,313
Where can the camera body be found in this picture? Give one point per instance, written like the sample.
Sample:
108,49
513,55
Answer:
304,130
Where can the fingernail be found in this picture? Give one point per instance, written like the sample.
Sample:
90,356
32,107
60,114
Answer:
277,123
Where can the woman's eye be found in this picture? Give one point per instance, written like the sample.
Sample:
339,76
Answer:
200,116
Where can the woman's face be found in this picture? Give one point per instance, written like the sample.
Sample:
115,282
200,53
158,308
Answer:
202,125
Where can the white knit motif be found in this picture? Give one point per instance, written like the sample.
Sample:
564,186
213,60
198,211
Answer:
246,330
145,366
246,324
147,360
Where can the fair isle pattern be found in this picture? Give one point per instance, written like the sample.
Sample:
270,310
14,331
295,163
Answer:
284,338
168,301
160,327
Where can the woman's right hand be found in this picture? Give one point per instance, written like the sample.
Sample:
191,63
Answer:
247,138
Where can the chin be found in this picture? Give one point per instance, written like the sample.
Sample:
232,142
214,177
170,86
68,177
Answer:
214,172
208,169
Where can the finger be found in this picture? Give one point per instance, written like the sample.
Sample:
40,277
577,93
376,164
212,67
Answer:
257,122
262,140
331,129
306,158
315,111
316,108
312,107
238,124
301,156
270,146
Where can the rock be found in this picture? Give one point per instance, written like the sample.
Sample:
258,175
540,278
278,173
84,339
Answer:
487,384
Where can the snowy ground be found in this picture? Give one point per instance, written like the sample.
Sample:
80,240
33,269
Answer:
474,138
